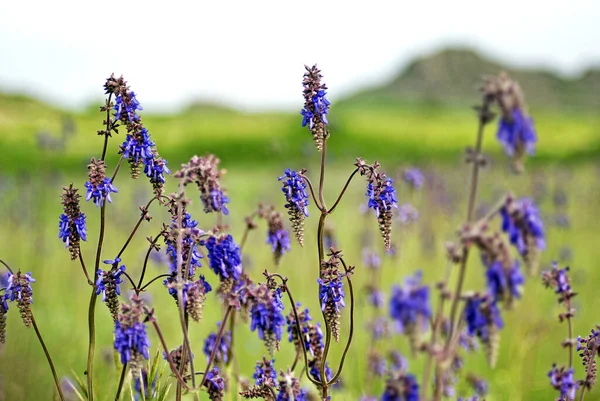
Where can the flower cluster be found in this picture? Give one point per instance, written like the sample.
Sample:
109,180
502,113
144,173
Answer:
266,316
504,283
204,172
108,284
98,186
410,307
331,292
289,388
589,348
484,321
19,290
562,380
131,338
193,294
277,236
265,373
382,197
222,348
189,243
215,385
71,228
316,105
138,147
224,257
522,222
296,197
402,387
516,132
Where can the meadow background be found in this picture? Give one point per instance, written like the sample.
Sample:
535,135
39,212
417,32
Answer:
402,124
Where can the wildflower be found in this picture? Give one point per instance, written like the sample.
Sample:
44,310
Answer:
266,316
99,186
224,257
413,177
222,354
215,385
484,321
108,284
277,236
71,228
382,197
176,356
522,222
410,307
316,105
377,364
504,284
516,132
559,280
376,298
562,380
407,214
3,312
19,290
204,172
131,338
127,102
371,259
315,370
265,373
189,250
296,196
401,388
289,388
480,386
398,363
588,349
304,319
331,293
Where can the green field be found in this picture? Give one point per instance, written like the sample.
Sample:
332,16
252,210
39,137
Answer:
255,149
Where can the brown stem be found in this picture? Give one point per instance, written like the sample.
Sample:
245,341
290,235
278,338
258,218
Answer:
322,174
312,191
217,341
7,266
48,357
90,282
121,381
137,225
341,195
174,370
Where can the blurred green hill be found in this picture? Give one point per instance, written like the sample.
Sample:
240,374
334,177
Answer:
422,116
451,76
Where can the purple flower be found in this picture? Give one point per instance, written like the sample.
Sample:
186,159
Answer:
517,133
413,177
108,281
215,385
131,338
138,149
294,189
266,317
265,373
481,314
331,293
403,388
129,104
222,354
371,259
562,380
100,192
224,257
503,283
376,298
68,230
279,241
320,107
189,249
19,286
410,305
382,198
522,222
315,371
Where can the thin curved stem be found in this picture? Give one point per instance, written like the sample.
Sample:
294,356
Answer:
150,249
140,289
112,179
174,370
7,266
350,335
130,280
137,225
90,282
312,191
217,341
48,357
341,195
322,174
121,381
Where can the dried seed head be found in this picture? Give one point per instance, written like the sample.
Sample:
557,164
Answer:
204,172
19,290
72,227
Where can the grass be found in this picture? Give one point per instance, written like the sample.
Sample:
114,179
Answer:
530,342
255,149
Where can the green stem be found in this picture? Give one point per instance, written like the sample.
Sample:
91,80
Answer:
121,381
48,357
92,310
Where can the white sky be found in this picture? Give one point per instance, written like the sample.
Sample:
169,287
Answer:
250,54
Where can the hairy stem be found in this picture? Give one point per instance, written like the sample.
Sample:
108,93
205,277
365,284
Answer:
48,357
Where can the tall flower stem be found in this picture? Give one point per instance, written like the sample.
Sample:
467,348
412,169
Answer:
121,381
92,310
485,116
48,357
90,282
108,126
174,370
150,248
213,354
137,225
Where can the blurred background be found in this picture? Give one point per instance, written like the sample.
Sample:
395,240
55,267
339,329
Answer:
225,78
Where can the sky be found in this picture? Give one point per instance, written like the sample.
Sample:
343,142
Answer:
250,54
